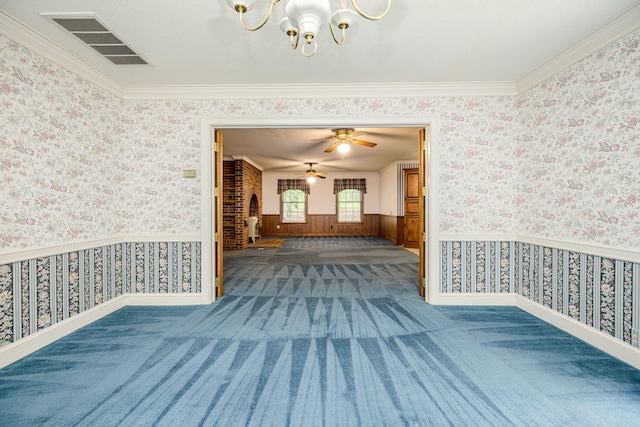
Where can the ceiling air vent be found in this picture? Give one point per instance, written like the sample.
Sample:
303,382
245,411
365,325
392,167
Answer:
98,36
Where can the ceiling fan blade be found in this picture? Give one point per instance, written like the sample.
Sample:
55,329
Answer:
332,147
358,133
320,176
365,143
329,138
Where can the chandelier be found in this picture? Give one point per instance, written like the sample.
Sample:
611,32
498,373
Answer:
305,17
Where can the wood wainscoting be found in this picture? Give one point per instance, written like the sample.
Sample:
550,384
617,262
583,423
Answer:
392,228
320,225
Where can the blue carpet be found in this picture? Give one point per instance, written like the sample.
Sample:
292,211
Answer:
320,332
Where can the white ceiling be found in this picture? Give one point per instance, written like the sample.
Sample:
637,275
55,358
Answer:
200,43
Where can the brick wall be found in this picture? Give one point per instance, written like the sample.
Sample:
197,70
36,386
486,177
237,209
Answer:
241,181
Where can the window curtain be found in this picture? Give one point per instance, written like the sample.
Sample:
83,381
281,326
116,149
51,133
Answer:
349,184
293,184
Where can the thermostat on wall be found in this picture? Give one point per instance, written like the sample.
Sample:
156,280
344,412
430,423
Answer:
188,173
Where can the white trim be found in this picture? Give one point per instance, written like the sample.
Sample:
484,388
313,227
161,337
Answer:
432,184
32,253
208,124
25,36
27,345
163,299
325,91
477,237
614,30
623,254
598,339
207,219
476,299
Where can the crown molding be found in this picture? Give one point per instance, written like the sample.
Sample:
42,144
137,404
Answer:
618,27
610,32
281,91
25,36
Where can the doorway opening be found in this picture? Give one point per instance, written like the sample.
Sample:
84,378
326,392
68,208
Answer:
210,256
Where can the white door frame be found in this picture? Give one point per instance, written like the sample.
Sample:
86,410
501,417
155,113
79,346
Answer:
432,225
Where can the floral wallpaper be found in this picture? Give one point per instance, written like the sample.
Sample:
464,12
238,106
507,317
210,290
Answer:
58,141
579,151
562,160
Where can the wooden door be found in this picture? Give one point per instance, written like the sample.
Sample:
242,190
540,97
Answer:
412,208
217,194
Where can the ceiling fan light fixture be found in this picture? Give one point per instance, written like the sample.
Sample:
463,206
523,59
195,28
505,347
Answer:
306,17
311,179
344,148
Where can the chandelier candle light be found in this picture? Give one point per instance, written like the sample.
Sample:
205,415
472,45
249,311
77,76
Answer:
306,17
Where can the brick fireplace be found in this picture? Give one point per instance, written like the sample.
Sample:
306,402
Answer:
242,198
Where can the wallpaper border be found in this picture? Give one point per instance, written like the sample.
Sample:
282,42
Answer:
623,254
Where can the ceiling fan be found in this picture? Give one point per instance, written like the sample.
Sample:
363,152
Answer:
311,174
342,140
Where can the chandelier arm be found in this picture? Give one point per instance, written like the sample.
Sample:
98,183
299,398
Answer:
295,37
246,27
344,34
372,18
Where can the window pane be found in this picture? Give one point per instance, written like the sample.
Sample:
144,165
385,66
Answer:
350,206
293,206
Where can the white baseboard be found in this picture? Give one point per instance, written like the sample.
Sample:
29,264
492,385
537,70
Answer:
613,346
13,352
475,299
598,339
164,299
27,345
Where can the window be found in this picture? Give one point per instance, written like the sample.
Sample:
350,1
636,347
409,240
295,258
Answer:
293,206
350,206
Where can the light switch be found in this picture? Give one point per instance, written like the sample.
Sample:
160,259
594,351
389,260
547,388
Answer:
188,173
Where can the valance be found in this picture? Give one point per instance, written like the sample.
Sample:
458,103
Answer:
293,184
349,184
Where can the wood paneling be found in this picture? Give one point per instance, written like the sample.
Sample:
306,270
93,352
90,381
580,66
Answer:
391,228
319,225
